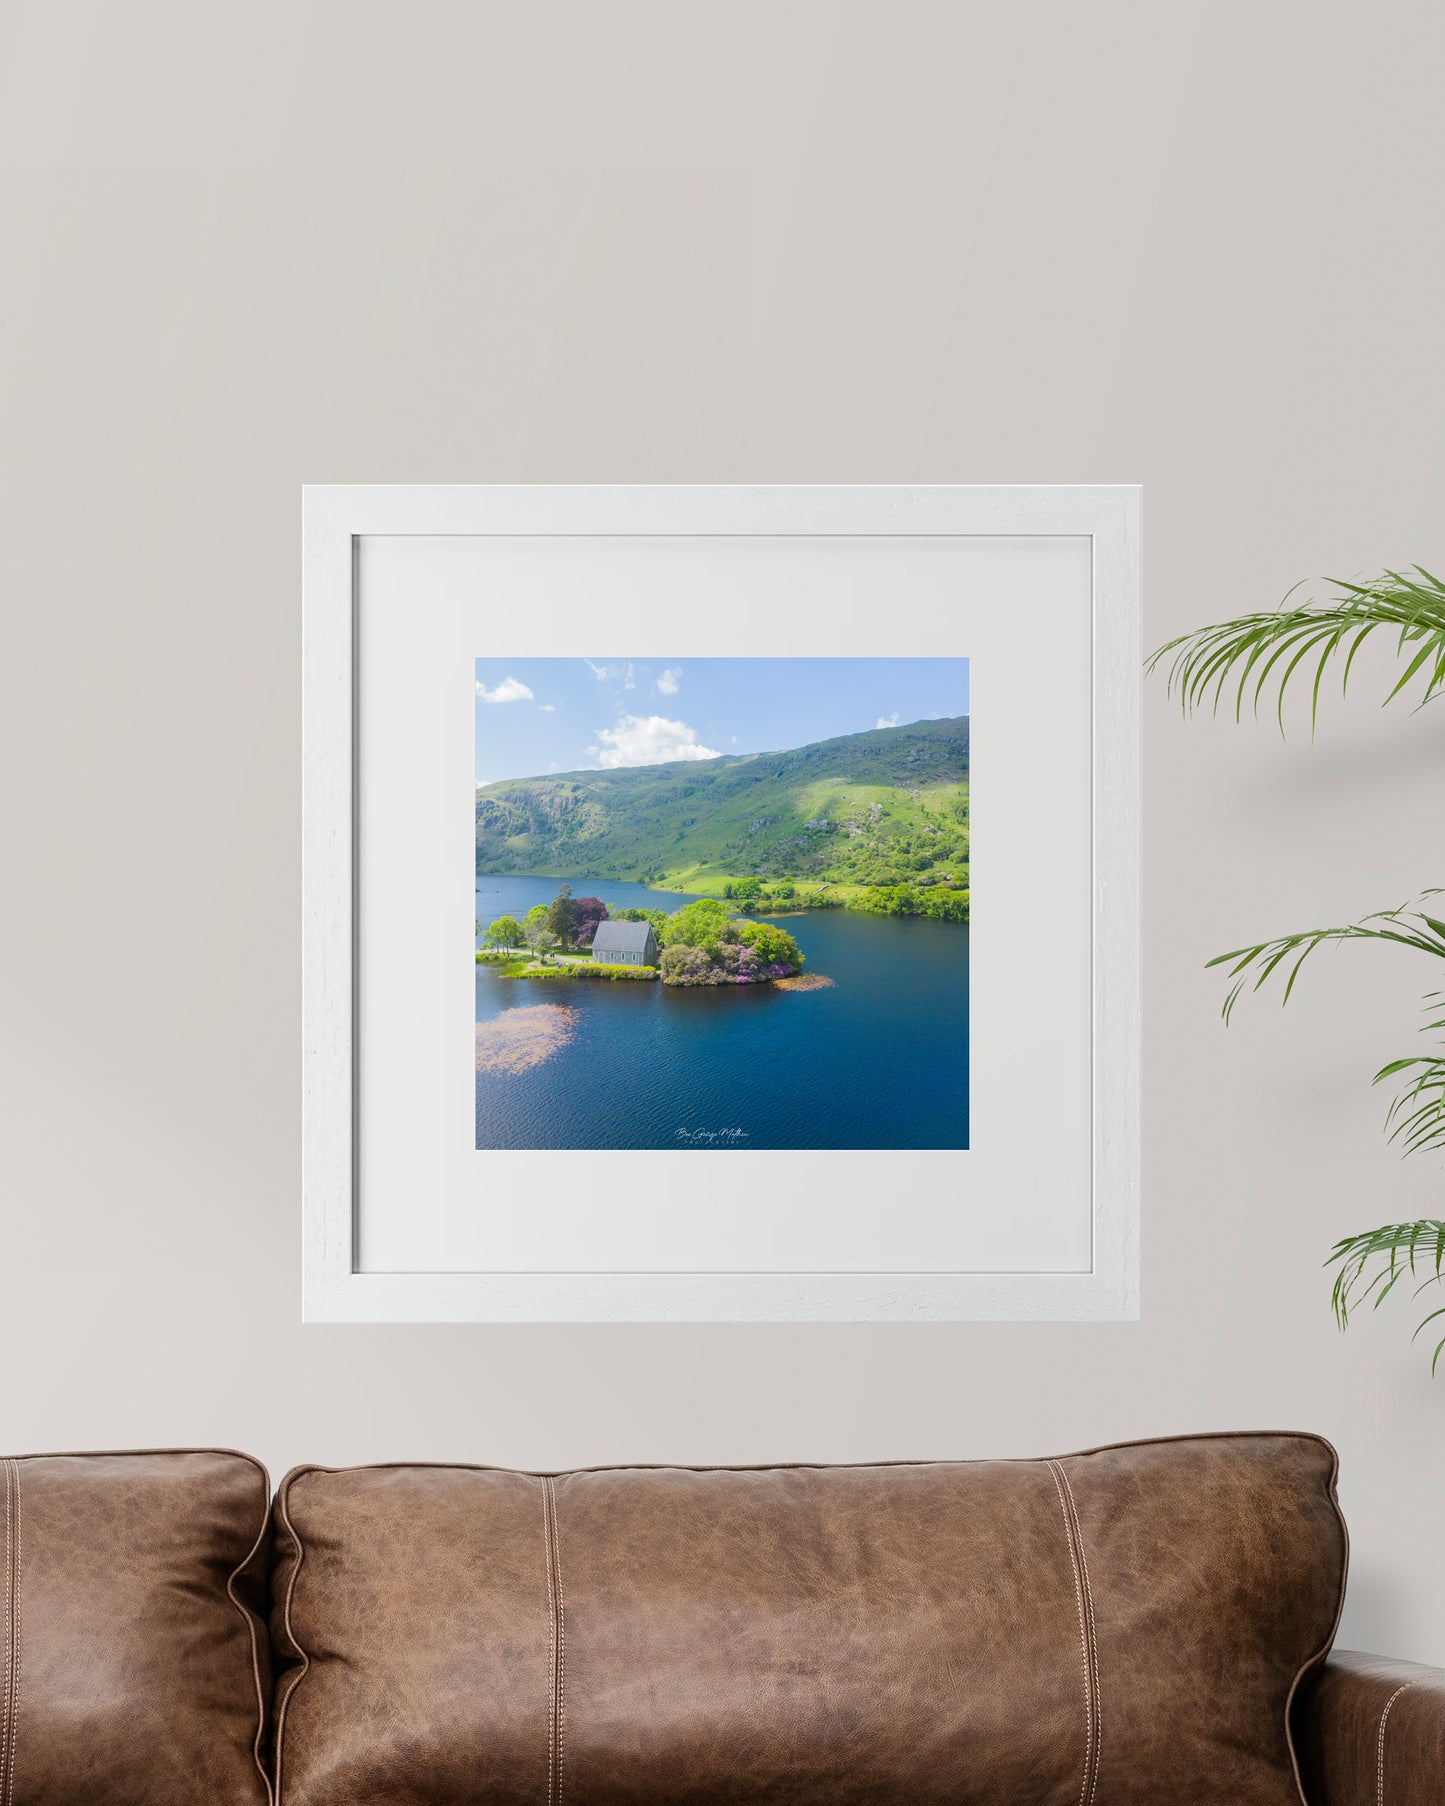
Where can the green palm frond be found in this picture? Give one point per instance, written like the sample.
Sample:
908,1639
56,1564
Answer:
1254,649
1405,926
1397,1251
1416,1119
1242,660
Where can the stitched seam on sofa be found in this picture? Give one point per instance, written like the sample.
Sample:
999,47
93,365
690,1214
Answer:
551,1641
561,1651
1078,1530
15,1608
14,1552
9,1634
249,1618
557,1615
1380,1743
1055,1472
283,1504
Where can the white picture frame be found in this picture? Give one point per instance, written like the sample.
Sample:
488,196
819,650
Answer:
337,520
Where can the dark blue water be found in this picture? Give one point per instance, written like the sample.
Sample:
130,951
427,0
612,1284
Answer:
879,1060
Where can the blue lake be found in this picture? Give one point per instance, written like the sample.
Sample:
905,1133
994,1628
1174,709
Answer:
877,1060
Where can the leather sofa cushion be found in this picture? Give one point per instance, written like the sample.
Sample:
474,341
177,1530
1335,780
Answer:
1371,1732
1116,1628
132,1672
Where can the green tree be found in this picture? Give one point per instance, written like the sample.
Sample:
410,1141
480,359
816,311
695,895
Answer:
535,917
506,931
946,905
700,924
747,887
774,946
657,917
562,916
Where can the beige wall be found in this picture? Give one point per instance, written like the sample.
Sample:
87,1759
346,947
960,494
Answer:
1192,245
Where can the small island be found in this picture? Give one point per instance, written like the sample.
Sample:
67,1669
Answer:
703,943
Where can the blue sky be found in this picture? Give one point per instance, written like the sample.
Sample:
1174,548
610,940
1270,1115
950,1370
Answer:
539,715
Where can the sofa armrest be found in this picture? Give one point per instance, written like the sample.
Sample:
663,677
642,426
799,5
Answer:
1371,1732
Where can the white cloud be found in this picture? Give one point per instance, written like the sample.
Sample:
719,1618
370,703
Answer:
667,682
482,783
887,720
600,672
510,689
628,681
547,708
647,740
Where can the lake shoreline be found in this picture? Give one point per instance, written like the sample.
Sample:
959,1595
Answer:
861,898
878,1059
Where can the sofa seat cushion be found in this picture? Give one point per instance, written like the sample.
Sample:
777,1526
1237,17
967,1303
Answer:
133,1671
1116,1628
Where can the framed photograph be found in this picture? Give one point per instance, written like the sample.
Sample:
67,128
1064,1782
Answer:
706,799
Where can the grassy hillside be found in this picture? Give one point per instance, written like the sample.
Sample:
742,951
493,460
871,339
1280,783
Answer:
885,807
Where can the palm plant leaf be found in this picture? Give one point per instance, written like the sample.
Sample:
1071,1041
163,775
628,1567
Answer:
1244,658
1251,968
1416,1119
1397,1251
1254,649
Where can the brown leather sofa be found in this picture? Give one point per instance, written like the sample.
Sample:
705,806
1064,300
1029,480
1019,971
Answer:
1144,1625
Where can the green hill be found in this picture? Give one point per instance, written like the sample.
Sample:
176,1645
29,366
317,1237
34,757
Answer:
885,807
